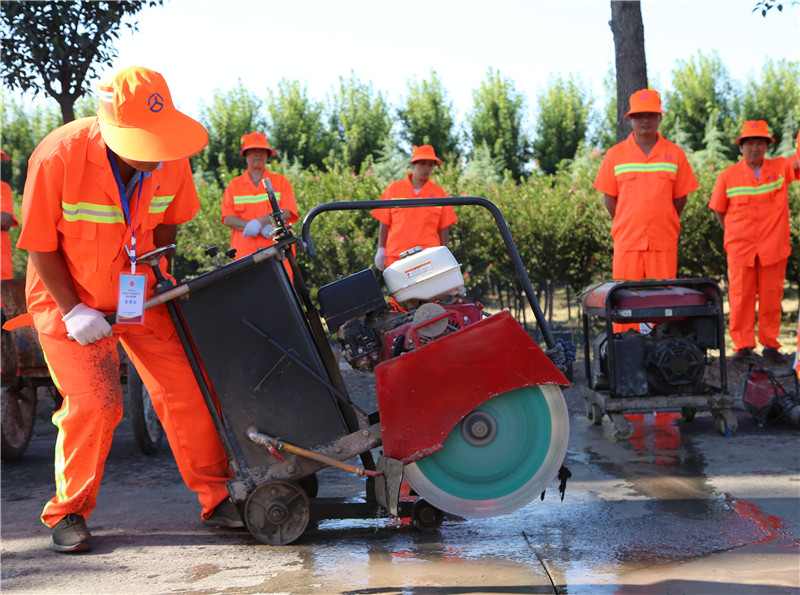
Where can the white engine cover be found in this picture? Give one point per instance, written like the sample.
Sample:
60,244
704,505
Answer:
427,275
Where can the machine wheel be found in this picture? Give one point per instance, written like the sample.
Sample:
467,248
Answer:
17,418
498,458
623,427
597,415
425,516
277,512
147,428
688,413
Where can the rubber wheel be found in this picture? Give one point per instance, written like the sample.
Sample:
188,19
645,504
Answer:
425,516
17,418
720,425
277,512
597,415
147,430
688,413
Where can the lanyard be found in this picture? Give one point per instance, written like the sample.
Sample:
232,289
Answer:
123,195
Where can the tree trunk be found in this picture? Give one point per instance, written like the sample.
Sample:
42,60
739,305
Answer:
628,29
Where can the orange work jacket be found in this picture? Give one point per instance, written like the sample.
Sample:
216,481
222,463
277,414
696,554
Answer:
249,201
7,206
413,227
645,187
72,203
756,211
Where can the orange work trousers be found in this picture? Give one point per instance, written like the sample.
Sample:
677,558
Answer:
88,379
636,265
745,285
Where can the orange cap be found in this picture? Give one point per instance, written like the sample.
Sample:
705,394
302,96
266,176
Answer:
425,153
645,101
754,128
256,140
4,156
138,120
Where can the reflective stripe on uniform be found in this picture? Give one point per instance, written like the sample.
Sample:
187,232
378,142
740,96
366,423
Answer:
623,168
253,199
159,204
755,190
86,211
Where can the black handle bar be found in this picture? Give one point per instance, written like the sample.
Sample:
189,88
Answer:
513,254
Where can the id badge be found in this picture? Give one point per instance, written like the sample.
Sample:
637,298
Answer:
130,305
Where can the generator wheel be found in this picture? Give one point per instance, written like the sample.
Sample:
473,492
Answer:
688,413
277,512
17,416
147,428
425,516
725,422
597,415
623,427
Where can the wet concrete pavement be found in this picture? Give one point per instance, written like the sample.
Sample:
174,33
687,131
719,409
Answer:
675,509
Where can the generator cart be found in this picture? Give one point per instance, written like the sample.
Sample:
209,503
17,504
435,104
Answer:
664,363
470,410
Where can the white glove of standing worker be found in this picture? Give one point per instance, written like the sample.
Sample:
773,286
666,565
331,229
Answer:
252,228
86,325
380,259
266,230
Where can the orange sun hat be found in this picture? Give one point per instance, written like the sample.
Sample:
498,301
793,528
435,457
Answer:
4,156
256,140
425,153
138,120
754,129
645,101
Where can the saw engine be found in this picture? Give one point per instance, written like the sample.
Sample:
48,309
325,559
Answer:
467,401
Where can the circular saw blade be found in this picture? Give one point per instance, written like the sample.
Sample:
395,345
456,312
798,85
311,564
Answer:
503,464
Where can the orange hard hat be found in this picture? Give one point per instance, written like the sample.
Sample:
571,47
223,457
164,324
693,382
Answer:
754,129
256,140
425,153
138,120
645,101
4,156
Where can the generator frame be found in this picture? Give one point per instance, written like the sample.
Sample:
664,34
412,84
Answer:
600,402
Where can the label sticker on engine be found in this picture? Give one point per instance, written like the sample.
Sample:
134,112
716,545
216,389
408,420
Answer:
419,269
626,313
667,311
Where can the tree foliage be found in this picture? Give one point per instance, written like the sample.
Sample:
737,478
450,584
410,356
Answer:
772,95
426,117
359,120
230,115
498,119
561,123
296,126
56,47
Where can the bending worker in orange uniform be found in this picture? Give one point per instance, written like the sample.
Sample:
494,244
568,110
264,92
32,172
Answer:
100,191
402,229
751,202
245,204
7,221
645,180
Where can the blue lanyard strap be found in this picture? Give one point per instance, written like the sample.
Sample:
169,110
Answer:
123,195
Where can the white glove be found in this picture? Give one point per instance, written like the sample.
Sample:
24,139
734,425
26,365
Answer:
86,325
252,228
380,259
266,230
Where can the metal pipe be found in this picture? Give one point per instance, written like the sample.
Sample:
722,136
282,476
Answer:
268,442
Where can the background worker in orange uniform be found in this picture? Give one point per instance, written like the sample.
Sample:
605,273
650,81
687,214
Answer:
751,202
401,229
7,221
245,204
100,191
645,180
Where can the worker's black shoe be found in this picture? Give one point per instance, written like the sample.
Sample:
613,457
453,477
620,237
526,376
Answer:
773,355
225,515
743,353
71,535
